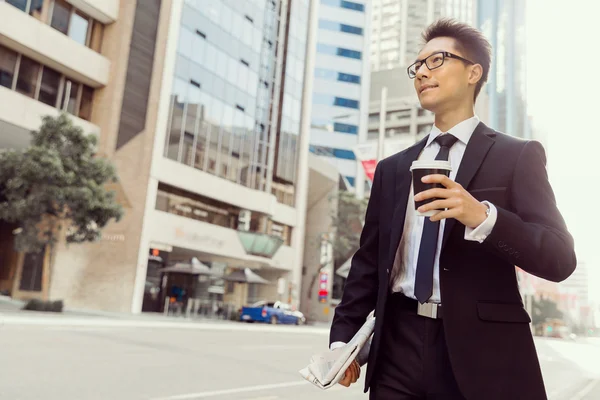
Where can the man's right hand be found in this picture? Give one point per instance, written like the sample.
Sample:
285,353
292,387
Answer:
352,374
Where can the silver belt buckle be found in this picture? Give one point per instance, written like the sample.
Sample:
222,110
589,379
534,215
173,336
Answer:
429,310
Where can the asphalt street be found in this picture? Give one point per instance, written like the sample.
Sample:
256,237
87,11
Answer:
53,360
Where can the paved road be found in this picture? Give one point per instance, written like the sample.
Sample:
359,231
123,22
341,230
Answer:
211,361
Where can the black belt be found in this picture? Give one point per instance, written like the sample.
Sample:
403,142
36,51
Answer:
429,310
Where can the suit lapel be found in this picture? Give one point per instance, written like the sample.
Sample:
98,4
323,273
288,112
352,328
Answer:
480,143
403,181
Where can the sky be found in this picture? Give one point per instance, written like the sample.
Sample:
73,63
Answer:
563,92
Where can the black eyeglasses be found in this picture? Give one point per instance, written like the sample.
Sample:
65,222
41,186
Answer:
432,62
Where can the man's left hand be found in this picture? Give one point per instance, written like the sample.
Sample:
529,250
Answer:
458,202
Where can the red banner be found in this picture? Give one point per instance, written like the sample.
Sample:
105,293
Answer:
369,167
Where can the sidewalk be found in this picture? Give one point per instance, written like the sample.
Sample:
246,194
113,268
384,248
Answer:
11,314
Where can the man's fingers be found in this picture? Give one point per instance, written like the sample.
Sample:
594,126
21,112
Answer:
439,178
356,371
450,213
438,205
432,193
347,379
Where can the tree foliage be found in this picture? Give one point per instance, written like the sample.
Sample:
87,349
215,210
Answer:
348,222
56,182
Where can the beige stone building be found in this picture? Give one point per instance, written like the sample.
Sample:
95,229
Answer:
200,109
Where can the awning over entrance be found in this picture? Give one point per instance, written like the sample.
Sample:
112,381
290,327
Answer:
245,276
195,267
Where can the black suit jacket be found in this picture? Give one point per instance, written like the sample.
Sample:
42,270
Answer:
487,328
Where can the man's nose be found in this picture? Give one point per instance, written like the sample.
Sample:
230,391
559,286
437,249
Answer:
423,72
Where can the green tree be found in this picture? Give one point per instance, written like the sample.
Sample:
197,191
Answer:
347,222
56,183
543,309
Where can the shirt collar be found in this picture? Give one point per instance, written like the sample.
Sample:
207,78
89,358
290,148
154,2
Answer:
463,130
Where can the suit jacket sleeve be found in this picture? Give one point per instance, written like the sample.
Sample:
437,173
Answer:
360,291
534,237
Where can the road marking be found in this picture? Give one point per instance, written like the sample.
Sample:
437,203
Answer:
586,390
200,395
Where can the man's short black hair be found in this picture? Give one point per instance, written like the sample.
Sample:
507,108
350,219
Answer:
470,41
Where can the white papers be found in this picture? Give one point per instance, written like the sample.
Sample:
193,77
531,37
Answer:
326,369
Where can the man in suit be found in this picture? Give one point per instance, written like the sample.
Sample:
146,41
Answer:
450,321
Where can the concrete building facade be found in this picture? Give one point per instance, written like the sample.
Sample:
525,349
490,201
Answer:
397,26
199,105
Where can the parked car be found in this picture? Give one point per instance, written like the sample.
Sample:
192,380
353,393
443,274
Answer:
272,312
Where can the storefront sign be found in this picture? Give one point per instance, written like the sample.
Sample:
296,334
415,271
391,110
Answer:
205,240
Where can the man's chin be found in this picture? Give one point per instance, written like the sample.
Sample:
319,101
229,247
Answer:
428,105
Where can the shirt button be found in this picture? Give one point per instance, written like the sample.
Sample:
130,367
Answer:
387,270
501,244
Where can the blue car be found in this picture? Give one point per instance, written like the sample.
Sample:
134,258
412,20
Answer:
273,313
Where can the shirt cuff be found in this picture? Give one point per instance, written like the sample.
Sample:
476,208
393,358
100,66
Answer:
480,233
336,345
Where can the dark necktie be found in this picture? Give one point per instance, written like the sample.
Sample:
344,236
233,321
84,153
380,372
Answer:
429,240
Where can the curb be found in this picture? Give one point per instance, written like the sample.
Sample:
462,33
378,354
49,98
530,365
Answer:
68,321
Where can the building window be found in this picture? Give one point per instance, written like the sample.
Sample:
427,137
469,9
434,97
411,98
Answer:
61,11
350,5
345,128
344,154
49,87
320,98
338,51
75,24
190,205
35,8
79,28
44,84
400,114
70,95
85,105
332,75
331,152
8,63
282,231
20,4
342,102
27,78
336,26
348,78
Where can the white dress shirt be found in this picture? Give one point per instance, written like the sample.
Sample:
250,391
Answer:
404,280
403,275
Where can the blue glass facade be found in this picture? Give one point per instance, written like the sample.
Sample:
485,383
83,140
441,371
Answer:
226,85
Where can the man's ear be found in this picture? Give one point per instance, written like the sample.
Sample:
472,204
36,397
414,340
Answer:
475,74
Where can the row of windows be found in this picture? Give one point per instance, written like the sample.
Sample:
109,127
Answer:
65,18
332,152
23,75
350,5
326,99
338,51
336,26
332,126
336,76
201,208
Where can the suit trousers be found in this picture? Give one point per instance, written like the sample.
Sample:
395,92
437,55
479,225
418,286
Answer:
413,362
